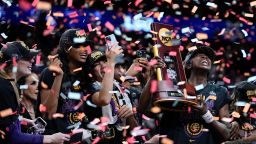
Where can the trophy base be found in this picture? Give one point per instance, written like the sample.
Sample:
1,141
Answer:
179,104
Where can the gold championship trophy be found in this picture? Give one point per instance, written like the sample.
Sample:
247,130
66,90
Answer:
173,93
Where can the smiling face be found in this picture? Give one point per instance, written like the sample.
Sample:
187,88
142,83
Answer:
99,70
201,61
78,54
32,90
24,67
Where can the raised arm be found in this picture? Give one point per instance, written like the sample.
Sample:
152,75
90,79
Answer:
50,96
103,97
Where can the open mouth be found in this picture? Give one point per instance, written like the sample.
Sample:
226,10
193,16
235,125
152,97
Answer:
30,67
205,62
84,55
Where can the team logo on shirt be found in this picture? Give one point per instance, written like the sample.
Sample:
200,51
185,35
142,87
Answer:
194,129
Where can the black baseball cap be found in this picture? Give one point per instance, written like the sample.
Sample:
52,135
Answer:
95,57
200,50
74,38
245,91
16,49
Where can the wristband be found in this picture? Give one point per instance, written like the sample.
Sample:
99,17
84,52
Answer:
208,118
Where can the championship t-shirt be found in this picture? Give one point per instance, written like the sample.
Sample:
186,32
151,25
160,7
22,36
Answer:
70,103
184,128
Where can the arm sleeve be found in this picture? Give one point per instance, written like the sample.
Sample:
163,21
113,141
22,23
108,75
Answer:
17,137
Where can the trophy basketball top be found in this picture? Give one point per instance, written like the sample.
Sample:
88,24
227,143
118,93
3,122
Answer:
171,95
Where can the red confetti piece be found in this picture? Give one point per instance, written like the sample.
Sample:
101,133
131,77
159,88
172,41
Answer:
14,62
3,66
109,26
145,117
73,14
96,140
107,2
189,109
70,3
153,87
88,49
152,62
89,26
172,53
78,105
137,2
78,69
38,59
150,14
42,108
226,80
131,140
24,123
253,115
34,3
138,68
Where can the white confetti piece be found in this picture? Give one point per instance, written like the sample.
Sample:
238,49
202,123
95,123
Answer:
185,30
194,9
253,3
90,104
160,16
4,35
22,87
139,132
79,39
113,92
240,103
76,83
210,4
74,95
244,53
63,95
250,79
199,87
245,33
222,31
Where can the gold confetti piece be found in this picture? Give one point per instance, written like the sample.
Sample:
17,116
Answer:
235,114
212,97
155,109
153,32
58,14
58,115
42,5
253,3
6,112
78,69
136,83
169,1
246,107
166,141
192,48
248,15
202,36
194,9
122,78
216,118
43,85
